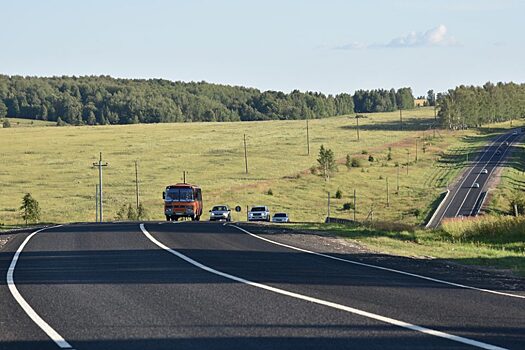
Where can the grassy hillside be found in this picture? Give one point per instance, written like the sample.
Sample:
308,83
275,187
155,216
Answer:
55,165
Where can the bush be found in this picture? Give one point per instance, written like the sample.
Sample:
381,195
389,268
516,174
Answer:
270,192
313,170
348,206
338,194
6,123
364,151
356,163
517,199
370,158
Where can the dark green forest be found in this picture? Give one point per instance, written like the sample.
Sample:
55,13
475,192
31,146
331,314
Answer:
96,100
383,100
471,106
105,100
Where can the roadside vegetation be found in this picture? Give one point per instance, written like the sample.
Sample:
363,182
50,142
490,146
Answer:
494,242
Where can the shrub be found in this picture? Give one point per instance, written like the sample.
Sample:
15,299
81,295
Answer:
313,170
6,123
348,206
364,151
370,158
270,192
356,163
338,194
30,209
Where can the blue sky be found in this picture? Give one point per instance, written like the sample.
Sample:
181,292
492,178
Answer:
330,46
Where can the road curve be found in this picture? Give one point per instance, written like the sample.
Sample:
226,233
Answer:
111,287
464,199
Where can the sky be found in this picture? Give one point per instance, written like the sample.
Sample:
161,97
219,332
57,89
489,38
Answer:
332,46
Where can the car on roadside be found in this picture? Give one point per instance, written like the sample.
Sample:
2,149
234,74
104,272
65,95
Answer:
280,217
259,213
484,171
475,185
220,212
514,133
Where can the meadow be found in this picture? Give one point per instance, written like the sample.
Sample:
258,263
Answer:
55,164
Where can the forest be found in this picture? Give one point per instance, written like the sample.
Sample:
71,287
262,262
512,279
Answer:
471,106
104,100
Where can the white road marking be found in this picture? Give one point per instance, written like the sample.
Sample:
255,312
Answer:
349,309
381,267
51,333
487,148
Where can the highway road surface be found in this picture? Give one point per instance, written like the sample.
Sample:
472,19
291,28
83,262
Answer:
191,285
464,199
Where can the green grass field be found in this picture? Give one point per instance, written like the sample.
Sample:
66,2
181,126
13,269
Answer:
54,164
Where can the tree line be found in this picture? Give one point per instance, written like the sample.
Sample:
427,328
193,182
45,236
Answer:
105,100
471,106
380,100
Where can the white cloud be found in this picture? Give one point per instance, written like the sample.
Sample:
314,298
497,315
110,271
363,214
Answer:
433,37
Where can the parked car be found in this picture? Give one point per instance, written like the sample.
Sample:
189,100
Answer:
259,213
220,212
475,185
280,217
515,133
484,171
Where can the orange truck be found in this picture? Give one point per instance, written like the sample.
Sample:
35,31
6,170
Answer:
182,200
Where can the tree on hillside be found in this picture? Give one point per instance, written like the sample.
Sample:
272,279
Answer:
327,165
3,109
30,209
431,98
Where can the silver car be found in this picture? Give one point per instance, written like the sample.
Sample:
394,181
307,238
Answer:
220,212
280,217
259,213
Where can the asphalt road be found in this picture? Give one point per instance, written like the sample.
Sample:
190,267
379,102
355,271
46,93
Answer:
464,199
111,287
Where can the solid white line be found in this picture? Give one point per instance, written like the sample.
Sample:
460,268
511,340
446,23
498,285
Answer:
51,333
465,178
477,177
380,267
349,309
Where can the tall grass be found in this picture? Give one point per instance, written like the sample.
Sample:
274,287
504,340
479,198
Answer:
491,228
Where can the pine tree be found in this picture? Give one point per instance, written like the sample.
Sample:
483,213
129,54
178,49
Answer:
30,209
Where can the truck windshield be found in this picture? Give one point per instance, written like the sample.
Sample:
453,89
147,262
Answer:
179,194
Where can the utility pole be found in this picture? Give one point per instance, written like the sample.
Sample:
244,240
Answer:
401,118
328,207
96,203
355,202
398,179
387,196
307,138
408,159
416,150
100,205
184,176
357,121
245,155
137,183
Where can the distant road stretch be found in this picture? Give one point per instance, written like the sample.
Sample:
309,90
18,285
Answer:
191,285
464,199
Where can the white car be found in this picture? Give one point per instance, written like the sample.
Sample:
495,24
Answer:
475,185
484,171
280,217
515,133
259,213
220,212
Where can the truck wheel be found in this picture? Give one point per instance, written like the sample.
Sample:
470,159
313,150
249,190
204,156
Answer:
175,218
168,218
198,218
